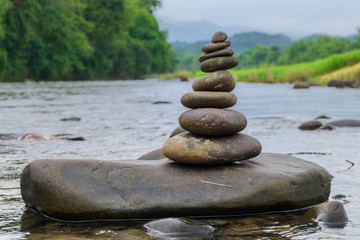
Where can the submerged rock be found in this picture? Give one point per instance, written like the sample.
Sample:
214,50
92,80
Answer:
93,189
335,83
344,123
76,119
332,213
178,229
153,155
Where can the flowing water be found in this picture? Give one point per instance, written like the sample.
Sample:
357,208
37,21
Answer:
120,121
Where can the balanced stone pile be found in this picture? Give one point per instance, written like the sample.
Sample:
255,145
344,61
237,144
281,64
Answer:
213,132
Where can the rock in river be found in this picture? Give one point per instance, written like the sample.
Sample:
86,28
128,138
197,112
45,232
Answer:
102,190
218,63
212,121
194,149
208,99
221,80
310,125
344,123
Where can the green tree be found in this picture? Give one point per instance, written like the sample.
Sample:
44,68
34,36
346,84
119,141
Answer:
4,6
44,39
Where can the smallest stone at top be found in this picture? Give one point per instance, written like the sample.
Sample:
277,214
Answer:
219,36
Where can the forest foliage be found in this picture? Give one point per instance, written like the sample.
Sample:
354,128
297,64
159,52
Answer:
81,39
304,50
188,53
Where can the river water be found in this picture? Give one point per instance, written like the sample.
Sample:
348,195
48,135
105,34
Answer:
120,121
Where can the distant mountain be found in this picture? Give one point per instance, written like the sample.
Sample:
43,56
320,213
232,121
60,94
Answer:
239,42
192,31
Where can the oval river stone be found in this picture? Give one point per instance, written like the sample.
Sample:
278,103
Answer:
215,46
207,99
193,149
212,121
218,63
75,190
219,36
219,53
216,81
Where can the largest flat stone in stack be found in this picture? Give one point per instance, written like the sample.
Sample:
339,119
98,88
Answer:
94,190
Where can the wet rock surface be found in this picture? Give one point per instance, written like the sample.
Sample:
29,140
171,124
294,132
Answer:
332,213
93,189
194,149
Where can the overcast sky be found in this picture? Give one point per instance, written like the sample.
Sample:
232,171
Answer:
334,17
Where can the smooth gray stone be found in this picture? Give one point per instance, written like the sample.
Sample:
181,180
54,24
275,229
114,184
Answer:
205,150
208,99
213,121
153,155
102,190
344,123
310,125
177,130
218,63
220,53
219,36
215,46
222,81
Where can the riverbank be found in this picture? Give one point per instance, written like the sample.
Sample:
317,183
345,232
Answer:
340,66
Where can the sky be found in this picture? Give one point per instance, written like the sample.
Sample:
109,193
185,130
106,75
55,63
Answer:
333,17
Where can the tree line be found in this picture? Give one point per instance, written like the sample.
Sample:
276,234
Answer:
81,39
304,50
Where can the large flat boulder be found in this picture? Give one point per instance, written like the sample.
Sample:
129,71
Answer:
93,189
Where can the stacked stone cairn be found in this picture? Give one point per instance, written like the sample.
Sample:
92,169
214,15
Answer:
213,132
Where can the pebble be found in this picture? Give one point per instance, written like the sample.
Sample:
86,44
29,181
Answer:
218,53
218,63
212,121
215,46
219,36
216,81
208,99
193,149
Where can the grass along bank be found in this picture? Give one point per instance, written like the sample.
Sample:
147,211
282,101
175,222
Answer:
340,66
319,70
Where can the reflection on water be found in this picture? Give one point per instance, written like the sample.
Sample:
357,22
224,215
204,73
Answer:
119,121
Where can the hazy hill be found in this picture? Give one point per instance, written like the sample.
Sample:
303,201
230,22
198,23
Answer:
239,42
192,31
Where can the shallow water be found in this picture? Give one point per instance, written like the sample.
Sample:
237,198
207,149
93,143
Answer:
119,121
